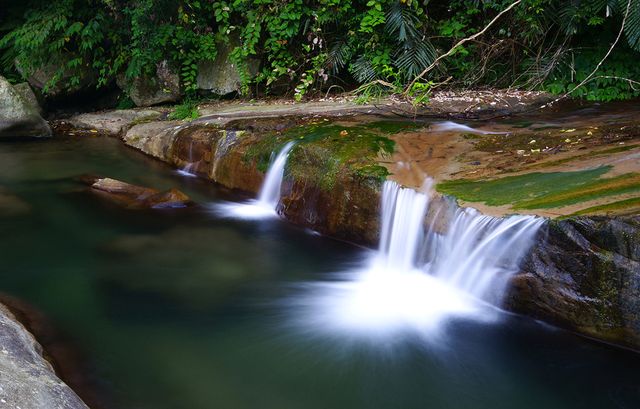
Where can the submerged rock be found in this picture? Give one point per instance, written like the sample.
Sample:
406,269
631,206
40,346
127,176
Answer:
19,117
584,274
27,380
196,266
12,205
138,197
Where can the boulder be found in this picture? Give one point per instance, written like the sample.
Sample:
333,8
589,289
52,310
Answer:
27,380
26,92
162,88
137,197
41,77
221,76
17,116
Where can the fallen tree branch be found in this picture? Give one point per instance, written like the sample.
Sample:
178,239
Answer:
458,44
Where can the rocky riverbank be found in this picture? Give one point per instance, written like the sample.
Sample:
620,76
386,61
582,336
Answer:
27,380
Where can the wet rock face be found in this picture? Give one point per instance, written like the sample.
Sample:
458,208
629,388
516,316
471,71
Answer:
18,117
350,211
584,275
27,380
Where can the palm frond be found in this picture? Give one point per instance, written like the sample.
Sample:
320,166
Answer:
363,70
411,60
632,26
338,56
402,21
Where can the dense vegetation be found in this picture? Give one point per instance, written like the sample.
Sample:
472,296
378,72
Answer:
305,46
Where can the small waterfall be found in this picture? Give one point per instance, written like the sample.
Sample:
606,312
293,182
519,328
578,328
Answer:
267,203
270,191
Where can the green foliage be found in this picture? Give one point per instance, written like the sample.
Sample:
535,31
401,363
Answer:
187,111
305,45
419,93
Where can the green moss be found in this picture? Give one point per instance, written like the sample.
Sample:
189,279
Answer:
620,206
627,183
392,127
517,189
326,152
592,154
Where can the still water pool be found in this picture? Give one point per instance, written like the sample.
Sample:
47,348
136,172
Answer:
184,309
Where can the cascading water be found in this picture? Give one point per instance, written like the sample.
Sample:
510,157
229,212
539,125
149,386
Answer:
188,168
422,275
269,197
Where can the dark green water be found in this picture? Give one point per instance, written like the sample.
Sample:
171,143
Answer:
180,309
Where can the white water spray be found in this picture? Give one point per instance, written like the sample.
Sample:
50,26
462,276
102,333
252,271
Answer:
421,276
266,204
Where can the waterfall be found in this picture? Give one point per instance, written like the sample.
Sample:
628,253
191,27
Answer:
477,254
424,274
266,204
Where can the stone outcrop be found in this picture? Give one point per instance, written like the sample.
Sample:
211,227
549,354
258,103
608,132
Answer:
19,117
584,275
109,123
27,380
162,88
348,211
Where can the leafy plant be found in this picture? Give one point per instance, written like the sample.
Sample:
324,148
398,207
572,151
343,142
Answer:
187,111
